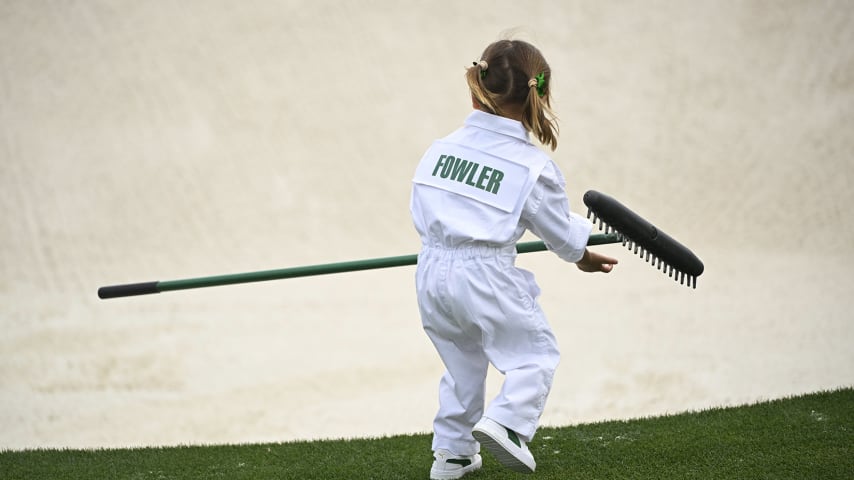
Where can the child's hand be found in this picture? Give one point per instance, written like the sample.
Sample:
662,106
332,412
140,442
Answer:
595,262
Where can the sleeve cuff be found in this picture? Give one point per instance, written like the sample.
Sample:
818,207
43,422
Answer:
576,242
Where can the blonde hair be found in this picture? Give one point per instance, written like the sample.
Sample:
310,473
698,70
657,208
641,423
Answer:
514,75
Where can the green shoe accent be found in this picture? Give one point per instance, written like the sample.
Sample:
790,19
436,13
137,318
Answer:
513,437
465,462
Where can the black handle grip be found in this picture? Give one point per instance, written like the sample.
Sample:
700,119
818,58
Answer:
129,290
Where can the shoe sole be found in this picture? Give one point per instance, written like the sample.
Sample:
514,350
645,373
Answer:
501,454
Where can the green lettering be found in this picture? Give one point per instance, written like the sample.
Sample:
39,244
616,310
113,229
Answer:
464,171
494,181
439,164
484,174
471,175
461,170
446,168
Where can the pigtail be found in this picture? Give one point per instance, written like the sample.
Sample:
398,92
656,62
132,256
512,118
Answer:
475,76
537,115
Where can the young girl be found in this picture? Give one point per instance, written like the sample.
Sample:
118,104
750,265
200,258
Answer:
475,193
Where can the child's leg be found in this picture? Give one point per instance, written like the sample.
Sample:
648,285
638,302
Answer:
459,343
461,396
527,383
521,345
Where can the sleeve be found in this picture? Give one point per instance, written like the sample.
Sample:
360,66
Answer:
546,213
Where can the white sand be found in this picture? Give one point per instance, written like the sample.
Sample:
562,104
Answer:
163,140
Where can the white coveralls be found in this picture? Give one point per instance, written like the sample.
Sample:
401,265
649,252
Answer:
474,194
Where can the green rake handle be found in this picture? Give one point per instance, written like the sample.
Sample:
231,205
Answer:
145,288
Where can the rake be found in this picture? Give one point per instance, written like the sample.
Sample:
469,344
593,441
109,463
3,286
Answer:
620,225
647,241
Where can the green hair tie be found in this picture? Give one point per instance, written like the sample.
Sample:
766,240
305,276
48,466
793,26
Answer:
541,84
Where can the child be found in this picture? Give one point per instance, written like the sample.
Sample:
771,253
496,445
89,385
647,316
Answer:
475,193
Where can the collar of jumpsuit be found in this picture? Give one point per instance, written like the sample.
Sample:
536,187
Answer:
498,124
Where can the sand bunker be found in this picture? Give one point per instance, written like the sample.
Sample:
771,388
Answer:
158,141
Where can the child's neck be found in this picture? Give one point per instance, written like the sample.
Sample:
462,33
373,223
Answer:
512,114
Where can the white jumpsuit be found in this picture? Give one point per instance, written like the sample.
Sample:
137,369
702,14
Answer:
475,193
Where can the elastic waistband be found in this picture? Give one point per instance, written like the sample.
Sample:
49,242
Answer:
468,251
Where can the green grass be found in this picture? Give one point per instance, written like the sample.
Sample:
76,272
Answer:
805,437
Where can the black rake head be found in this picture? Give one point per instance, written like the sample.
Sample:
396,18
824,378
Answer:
647,241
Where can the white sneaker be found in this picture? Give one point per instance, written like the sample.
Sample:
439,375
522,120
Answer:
446,465
507,447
